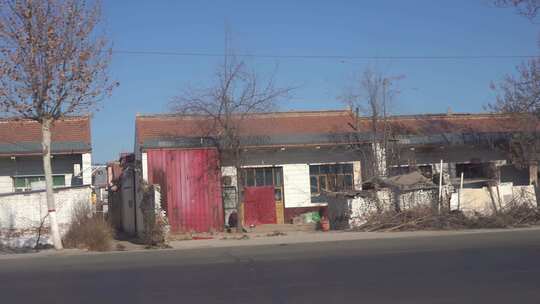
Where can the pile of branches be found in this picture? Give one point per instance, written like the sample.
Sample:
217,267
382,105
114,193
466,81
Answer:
427,218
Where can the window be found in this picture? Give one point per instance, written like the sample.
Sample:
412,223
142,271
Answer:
334,177
267,176
24,183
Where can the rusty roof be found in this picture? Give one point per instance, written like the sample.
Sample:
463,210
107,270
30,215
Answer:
433,124
23,136
154,127
298,124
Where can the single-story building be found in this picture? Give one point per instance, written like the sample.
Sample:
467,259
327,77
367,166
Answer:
21,164
23,204
289,158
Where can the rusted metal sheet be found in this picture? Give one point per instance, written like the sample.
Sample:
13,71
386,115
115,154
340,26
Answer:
260,206
190,183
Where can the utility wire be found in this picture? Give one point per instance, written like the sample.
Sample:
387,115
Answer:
337,57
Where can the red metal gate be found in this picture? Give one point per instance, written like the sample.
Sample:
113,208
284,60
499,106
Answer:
190,183
259,206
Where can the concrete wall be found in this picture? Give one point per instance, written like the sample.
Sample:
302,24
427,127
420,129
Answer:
22,213
33,165
485,202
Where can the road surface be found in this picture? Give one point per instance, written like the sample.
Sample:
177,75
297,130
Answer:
501,267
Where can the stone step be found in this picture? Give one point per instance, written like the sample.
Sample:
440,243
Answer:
267,228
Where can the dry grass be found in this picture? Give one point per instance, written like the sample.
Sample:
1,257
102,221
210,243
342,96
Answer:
425,218
88,231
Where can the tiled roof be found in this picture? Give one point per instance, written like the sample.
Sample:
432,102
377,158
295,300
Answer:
298,125
21,136
155,127
434,124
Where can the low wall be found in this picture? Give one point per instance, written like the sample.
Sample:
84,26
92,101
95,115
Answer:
487,200
22,214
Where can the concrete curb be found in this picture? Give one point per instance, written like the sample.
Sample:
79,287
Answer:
289,239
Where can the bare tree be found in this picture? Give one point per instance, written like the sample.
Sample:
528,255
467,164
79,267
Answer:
372,95
526,8
519,95
52,65
236,94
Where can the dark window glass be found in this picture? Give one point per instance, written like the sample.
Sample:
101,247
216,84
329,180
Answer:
268,179
277,176
59,181
250,179
259,172
323,182
277,194
348,182
340,183
332,183
324,169
313,170
347,168
314,184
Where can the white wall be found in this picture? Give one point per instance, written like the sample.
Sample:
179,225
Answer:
296,186
23,212
479,200
6,184
144,164
357,175
87,168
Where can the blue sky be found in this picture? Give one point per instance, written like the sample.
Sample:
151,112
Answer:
307,27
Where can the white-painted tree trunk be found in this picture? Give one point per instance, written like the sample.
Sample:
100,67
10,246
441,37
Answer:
46,145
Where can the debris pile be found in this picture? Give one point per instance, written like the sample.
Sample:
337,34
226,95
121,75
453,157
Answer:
426,218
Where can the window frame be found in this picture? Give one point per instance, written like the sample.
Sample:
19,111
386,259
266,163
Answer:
275,180
333,177
29,179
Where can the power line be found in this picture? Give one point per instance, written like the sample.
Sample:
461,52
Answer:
336,57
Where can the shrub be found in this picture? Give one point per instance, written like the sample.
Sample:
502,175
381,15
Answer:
88,231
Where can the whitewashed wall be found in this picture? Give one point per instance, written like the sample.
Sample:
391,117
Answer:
480,200
296,186
87,168
6,184
22,213
144,165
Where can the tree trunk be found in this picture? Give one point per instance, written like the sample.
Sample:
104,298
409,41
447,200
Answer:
46,145
239,197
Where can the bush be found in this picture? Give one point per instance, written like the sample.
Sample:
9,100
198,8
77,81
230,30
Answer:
88,231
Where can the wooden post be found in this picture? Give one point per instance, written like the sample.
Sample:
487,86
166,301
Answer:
533,174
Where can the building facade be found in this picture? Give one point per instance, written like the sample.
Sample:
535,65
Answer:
289,159
21,164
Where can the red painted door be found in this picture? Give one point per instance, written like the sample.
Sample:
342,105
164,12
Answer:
259,206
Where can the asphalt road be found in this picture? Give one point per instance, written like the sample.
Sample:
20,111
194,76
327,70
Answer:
479,268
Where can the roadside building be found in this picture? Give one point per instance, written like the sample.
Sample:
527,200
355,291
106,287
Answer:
289,159
21,165
23,207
